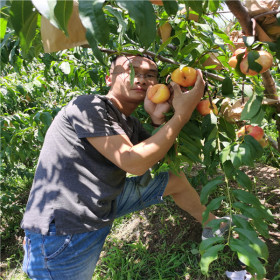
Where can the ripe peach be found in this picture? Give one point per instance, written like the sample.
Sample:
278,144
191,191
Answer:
255,131
239,51
204,107
185,77
233,60
265,60
158,93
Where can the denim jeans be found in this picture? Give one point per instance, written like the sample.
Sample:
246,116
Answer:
74,256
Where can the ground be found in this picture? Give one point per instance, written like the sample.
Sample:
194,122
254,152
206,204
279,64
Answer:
160,228
151,228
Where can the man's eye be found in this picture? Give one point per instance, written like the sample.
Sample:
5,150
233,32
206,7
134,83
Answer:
151,76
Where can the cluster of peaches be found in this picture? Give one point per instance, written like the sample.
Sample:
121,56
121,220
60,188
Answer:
185,77
264,59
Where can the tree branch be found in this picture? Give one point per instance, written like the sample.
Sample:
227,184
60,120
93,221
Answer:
242,15
159,57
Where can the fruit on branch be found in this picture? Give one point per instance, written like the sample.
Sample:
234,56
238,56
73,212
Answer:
157,2
185,77
158,93
265,60
263,142
165,31
255,131
204,107
233,60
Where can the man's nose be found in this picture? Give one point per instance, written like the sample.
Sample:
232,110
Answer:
141,78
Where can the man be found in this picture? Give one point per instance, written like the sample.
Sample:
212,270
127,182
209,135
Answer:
80,183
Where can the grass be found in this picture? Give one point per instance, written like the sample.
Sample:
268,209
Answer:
160,242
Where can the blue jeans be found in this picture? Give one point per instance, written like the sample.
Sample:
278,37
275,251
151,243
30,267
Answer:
74,256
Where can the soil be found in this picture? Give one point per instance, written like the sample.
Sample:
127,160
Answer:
147,226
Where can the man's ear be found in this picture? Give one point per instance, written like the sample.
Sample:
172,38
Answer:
108,80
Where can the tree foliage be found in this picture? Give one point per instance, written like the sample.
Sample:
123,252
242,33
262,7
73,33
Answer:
35,85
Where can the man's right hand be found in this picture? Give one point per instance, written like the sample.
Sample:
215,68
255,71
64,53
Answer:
185,102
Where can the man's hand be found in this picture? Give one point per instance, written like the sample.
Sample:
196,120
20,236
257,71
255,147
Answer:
184,103
156,111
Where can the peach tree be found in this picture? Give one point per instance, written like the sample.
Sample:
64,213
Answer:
176,34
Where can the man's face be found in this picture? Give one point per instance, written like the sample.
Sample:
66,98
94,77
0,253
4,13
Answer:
145,75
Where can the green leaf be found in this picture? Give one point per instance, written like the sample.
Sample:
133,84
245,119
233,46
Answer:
132,74
209,126
213,5
62,11
228,169
24,21
227,87
248,256
246,197
46,9
3,26
93,19
209,188
257,119
224,155
209,256
207,243
241,222
192,129
192,143
251,108
171,7
247,158
117,14
252,56
94,46
255,243
237,155
189,48
258,215
184,150
256,148
196,5
213,205
243,180
145,20
227,127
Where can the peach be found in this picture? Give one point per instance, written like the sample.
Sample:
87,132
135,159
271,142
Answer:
255,131
158,93
239,51
265,60
233,60
185,77
204,107
263,142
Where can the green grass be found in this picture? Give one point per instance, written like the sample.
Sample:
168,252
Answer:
160,242
158,246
